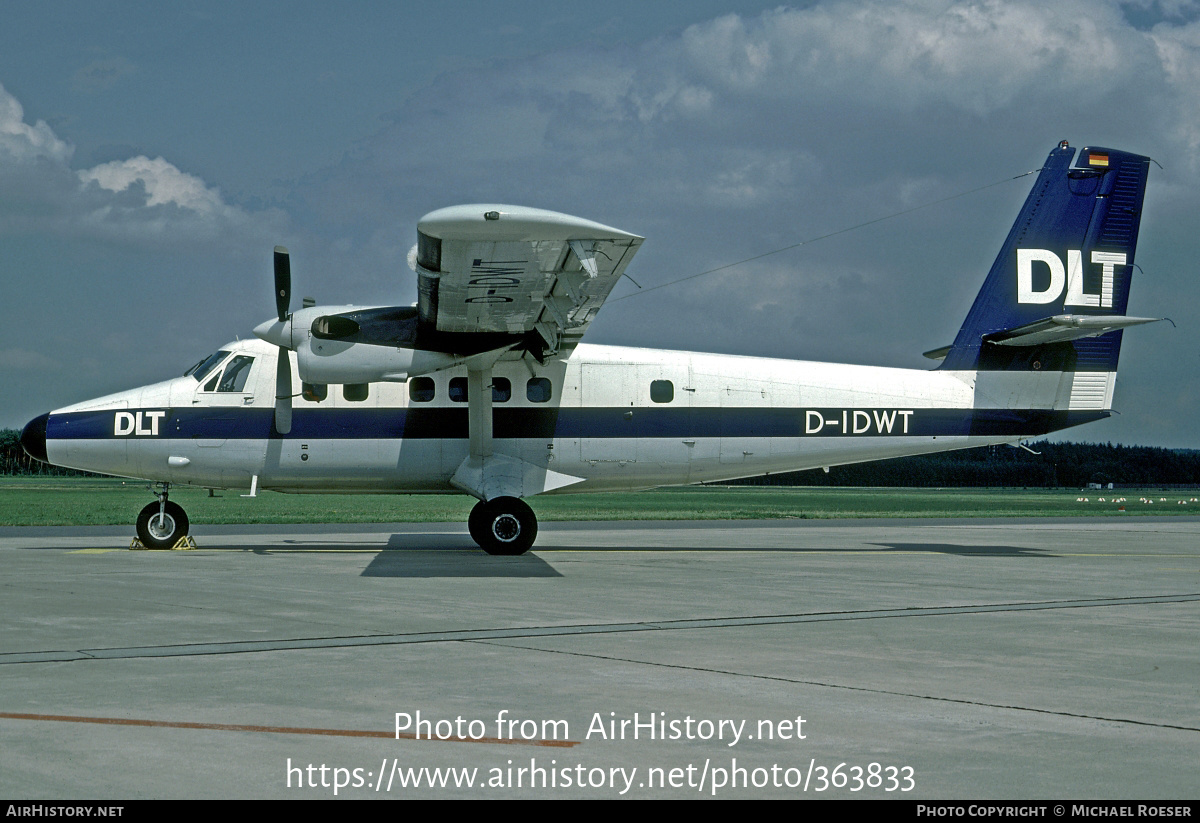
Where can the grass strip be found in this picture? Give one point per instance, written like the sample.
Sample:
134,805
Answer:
60,501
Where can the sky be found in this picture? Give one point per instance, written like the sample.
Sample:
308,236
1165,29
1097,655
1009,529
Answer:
153,154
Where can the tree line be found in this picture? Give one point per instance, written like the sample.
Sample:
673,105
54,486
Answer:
14,460
1055,465
1067,465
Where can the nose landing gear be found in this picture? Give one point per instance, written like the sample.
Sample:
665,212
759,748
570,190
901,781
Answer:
163,524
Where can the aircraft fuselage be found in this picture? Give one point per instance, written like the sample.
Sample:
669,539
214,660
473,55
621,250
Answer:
613,417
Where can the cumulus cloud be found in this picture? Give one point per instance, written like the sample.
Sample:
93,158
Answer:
1174,10
138,199
163,183
977,56
104,263
141,197
718,109
23,144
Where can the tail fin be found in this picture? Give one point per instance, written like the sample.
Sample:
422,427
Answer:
1056,296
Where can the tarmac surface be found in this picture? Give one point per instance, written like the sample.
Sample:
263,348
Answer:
974,659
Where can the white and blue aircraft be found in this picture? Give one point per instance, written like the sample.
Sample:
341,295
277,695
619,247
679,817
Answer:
484,387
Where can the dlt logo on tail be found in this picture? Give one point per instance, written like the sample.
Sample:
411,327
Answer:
1069,277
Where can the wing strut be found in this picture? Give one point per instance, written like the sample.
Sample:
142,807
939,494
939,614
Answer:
485,474
479,411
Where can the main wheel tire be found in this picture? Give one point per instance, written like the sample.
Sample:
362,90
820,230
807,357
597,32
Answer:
476,522
505,525
162,532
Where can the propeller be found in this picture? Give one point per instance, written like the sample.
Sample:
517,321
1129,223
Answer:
283,364
283,282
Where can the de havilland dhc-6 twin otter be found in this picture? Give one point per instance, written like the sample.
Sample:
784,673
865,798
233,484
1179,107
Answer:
483,386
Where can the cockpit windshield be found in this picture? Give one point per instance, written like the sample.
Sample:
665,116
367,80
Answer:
206,365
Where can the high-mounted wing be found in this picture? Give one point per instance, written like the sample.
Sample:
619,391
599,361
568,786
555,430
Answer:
511,269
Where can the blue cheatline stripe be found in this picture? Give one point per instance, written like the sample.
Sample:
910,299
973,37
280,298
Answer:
613,422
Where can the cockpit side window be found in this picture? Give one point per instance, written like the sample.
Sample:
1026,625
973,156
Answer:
234,379
201,369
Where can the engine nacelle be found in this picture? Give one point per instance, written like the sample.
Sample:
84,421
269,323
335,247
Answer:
337,361
330,348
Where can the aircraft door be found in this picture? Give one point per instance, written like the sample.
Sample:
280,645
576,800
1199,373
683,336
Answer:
231,386
608,416
666,427
230,419
745,418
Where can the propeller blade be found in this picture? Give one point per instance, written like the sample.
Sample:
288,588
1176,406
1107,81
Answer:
283,282
283,392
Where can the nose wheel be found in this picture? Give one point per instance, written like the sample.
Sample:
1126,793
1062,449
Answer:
503,526
161,525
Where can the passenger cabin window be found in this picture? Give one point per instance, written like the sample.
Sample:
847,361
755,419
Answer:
421,389
662,391
501,390
314,392
538,390
356,392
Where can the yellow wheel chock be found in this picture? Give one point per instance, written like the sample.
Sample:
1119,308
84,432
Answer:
182,544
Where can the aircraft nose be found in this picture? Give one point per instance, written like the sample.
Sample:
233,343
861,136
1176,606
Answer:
33,438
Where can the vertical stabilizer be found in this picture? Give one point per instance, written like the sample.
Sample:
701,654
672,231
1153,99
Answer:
1068,260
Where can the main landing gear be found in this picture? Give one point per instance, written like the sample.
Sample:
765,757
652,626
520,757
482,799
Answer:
504,526
161,525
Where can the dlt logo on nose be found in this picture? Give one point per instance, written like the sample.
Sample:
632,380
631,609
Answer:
140,424
1069,277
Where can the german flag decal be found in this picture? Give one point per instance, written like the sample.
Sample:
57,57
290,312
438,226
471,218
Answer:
1097,159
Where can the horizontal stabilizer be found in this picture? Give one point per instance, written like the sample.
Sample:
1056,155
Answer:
1064,327
1057,329
1060,328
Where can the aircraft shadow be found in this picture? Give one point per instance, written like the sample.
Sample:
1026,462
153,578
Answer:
409,555
456,556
